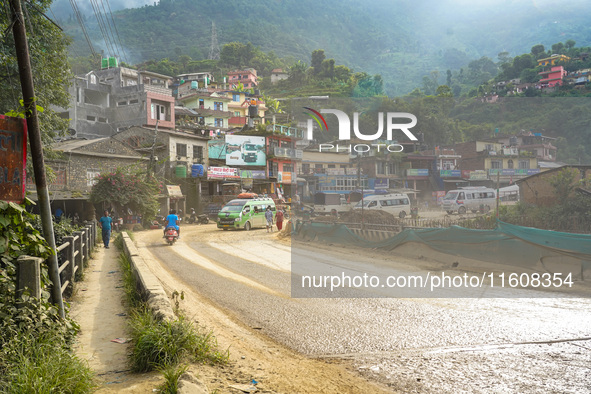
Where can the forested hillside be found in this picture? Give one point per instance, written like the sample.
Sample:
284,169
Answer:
402,40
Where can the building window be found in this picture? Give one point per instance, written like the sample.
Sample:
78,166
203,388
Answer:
305,169
91,118
236,97
391,167
93,79
60,177
510,164
524,164
201,104
198,153
496,164
134,101
218,105
181,150
219,122
236,113
332,166
380,168
91,174
287,167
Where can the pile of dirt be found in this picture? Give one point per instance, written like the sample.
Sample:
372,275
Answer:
356,216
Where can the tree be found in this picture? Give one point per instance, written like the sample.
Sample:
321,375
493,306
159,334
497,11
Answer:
570,44
538,51
558,47
317,59
127,189
48,48
564,183
327,69
297,73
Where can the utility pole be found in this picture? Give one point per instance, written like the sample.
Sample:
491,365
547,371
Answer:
28,90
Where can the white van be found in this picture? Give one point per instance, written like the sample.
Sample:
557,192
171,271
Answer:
396,204
469,198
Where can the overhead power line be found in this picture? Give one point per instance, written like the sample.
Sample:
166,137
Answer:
82,26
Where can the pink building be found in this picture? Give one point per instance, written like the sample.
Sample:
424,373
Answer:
247,77
553,77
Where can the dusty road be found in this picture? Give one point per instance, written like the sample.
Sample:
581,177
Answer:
239,285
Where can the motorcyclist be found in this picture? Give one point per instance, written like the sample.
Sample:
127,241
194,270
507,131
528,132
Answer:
193,216
172,220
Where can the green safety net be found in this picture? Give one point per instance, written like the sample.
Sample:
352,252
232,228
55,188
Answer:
506,244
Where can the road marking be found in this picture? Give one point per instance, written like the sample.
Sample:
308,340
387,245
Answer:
194,257
281,260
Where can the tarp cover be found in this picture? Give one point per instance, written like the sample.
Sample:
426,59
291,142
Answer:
506,244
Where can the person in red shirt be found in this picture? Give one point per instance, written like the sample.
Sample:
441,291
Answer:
279,219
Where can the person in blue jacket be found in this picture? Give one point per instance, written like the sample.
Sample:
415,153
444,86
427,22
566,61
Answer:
105,223
172,221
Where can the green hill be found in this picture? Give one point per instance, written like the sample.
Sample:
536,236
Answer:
401,40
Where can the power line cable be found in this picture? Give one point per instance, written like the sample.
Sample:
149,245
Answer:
82,26
117,31
110,29
100,21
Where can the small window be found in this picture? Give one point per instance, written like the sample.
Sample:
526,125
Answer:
122,103
91,118
181,150
93,79
135,101
461,196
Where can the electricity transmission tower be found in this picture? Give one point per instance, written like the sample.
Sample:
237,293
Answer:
214,51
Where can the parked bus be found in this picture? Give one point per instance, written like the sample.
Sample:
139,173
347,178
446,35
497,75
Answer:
473,198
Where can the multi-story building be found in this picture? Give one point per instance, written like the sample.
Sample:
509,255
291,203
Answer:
552,60
553,77
244,107
532,142
248,78
176,157
107,100
500,163
211,108
282,156
185,84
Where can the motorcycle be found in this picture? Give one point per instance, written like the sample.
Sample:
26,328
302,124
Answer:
202,219
171,235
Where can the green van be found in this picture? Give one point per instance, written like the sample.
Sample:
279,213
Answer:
245,213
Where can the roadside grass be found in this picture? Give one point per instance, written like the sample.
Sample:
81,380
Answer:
160,345
33,363
171,378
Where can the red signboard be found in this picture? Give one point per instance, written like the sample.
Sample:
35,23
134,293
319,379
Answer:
13,158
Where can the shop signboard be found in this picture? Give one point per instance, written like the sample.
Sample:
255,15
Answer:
222,173
13,158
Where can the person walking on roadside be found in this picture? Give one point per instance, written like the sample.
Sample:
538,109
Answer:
279,219
105,223
269,217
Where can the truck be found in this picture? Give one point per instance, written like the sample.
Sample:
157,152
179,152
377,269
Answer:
249,152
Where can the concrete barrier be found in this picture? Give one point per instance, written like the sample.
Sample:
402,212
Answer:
373,235
147,285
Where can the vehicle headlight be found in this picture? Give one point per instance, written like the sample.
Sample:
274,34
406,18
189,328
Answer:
237,219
